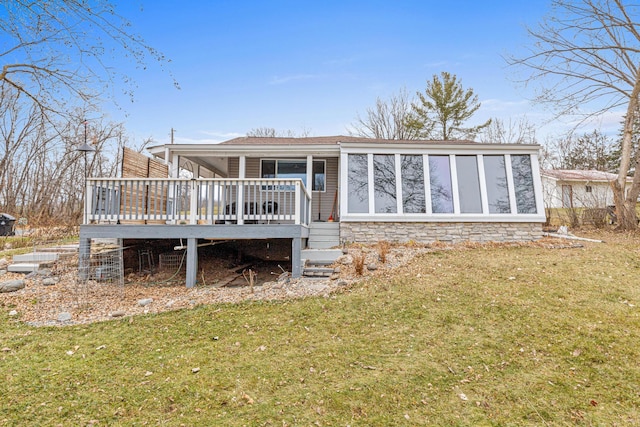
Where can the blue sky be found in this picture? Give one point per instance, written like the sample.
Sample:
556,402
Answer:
312,66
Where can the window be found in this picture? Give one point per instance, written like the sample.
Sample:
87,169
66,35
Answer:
523,183
384,183
319,175
588,189
412,175
468,184
358,185
381,184
292,169
440,181
497,192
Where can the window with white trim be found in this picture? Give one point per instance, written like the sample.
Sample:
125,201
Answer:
294,168
464,184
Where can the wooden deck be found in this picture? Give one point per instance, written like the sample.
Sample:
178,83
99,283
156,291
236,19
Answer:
215,209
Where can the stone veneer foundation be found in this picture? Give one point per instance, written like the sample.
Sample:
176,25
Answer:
450,232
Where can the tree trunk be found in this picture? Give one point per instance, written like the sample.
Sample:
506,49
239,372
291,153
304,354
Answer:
626,203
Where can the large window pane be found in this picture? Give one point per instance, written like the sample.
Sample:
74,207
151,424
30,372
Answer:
318,175
358,197
412,175
523,183
384,183
497,191
440,182
468,184
290,169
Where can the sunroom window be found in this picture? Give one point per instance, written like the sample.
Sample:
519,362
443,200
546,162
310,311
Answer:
412,173
358,184
384,183
495,173
440,182
447,184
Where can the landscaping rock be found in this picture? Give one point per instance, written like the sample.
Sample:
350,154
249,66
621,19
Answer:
3,263
145,302
49,281
3,272
118,313
345,260
11,285
13,313
372,267
341,282
65,316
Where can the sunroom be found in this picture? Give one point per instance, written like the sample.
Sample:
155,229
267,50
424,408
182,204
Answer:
440,191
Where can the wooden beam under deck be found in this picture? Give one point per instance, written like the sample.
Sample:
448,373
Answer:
296,232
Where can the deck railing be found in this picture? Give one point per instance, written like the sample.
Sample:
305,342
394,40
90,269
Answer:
196,201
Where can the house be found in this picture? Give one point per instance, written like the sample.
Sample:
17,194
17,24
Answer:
577,188
321,192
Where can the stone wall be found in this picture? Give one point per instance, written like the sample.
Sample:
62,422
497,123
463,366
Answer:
450,232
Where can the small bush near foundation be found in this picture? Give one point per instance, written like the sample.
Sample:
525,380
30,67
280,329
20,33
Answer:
358,263
383,250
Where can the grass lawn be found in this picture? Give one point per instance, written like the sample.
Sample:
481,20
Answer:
490,335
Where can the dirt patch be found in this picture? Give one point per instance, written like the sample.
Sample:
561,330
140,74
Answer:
220,280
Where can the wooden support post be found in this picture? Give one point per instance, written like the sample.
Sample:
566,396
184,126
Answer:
84,259
192,262
296,257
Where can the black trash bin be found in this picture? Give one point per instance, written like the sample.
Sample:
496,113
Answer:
7,222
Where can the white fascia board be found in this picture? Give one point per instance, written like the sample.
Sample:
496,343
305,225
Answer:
360,147
271,150
506,218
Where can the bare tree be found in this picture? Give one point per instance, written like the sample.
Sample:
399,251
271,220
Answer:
510,132
389,119
267,132
56,52
588,53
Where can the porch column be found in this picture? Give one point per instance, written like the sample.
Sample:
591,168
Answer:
174,171
296,257
242,172
84,258
192,262
309,186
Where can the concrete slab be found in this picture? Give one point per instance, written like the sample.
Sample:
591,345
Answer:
36,257
23,267
327,255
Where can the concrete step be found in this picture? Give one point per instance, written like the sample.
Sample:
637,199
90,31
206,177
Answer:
315,255
322,245
61,249
317,271
36,257
23,267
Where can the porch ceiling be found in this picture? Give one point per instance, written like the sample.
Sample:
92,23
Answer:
214,157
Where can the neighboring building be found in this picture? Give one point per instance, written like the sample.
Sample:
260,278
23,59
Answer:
322,192
578,188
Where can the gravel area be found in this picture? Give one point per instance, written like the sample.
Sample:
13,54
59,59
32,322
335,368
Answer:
69,301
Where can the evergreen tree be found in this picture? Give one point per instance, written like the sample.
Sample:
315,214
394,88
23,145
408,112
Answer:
443,109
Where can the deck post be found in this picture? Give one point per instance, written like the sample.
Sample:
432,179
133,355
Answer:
296,257
192,262
84,258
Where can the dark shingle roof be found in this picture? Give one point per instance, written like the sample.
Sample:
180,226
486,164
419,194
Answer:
330,140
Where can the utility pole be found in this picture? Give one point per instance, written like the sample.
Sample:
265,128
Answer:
172,132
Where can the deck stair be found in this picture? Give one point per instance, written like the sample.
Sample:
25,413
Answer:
317,269
44,257
323,235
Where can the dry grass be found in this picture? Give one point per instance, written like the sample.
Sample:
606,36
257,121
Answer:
383,250
359,260
519,335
